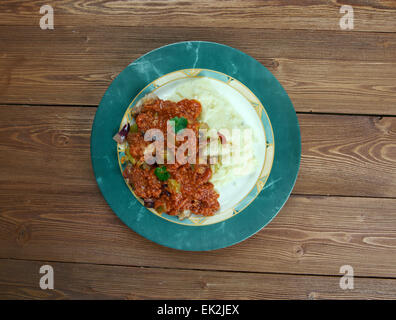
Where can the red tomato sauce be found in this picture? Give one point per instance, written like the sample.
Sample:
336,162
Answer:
187,190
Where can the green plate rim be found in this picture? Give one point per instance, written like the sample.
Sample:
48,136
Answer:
255,105
188,55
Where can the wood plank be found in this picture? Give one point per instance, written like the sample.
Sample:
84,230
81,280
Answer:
363,148
347,155
130,42
313,85
311,235
370,15
352,87
51,208
72,66
20,280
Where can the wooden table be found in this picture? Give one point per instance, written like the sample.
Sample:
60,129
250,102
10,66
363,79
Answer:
343,207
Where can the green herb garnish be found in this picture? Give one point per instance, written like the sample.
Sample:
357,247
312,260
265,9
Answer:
179,123
161,173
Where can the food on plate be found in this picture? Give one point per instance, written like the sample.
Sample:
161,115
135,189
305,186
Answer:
173,188
178,150
219,114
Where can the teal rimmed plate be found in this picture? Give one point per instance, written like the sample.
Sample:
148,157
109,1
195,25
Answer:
248,205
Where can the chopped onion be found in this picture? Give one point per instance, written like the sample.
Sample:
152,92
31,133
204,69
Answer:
184,215
149,203
120,136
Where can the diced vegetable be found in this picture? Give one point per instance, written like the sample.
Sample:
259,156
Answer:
161,173
161,208
121,135
174,185
149,203
134,128
215,167
184,215
129,157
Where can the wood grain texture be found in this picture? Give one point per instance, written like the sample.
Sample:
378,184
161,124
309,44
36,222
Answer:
341,155
20,280
343,207
322,71
51,208
370,15
311,235
347,155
